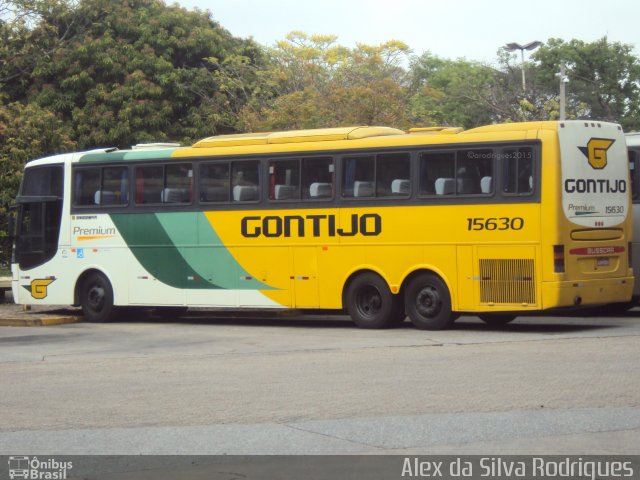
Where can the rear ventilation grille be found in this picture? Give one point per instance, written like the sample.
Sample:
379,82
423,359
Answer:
507,281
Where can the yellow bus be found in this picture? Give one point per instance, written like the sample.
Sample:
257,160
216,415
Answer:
376,221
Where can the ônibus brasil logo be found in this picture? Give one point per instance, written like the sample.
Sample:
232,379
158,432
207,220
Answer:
35,469
596,152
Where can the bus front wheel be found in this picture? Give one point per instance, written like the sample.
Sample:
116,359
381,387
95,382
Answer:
428,302
96,299
371,304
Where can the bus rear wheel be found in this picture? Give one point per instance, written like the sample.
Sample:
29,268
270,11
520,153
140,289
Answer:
96,299
428,302
371,304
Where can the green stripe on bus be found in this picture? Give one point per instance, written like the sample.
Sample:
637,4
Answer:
155,251
209,256
119,155
182,250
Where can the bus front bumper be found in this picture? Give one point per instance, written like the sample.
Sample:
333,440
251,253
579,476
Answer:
587,292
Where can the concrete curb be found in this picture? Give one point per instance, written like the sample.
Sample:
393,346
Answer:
39,321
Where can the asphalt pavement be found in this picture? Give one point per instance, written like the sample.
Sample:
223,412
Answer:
212,383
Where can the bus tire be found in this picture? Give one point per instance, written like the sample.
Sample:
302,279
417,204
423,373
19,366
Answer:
370,303
496,319
428,302
96,299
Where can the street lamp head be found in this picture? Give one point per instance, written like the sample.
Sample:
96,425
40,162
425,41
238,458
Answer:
516,46
532,45
513,46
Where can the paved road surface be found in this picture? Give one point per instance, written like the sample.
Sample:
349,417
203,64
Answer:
318,385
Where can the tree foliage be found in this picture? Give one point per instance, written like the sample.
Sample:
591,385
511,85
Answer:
102,73
312,82
604,78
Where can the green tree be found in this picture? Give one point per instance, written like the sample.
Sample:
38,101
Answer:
312,82
79,74
140,71
455,92
30,33
604,78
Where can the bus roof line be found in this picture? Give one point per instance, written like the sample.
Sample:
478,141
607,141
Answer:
297,136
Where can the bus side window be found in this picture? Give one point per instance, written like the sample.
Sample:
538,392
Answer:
149,184
284,180
245,181
178,183
115,186
517,168
437,169
86,183
317,178
358,175
474,172
214,182
392,175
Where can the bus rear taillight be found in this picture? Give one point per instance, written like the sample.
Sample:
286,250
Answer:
558,258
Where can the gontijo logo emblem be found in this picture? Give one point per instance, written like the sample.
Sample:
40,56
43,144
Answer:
596,152
38,287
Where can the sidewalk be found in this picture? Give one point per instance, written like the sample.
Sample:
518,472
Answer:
12,315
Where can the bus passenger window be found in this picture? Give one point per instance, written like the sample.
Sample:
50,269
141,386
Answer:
86,183
392,175
245,181
115,186
437,173
149,184
358,177
214,182
517,168
284,180
317,178
178,187
474,172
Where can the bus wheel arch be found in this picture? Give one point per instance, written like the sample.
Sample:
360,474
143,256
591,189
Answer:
368,299
94,293
427,299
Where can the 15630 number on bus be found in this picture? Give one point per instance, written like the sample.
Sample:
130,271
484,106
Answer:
497,223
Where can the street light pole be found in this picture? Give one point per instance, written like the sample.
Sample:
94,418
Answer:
524,83
516,46
563,83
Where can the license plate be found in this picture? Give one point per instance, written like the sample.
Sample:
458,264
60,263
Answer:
603,262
